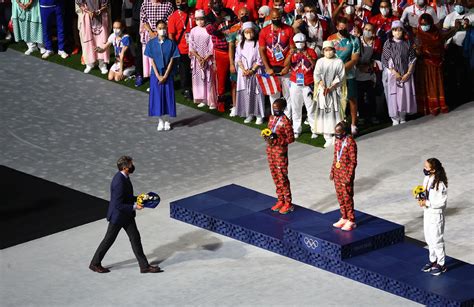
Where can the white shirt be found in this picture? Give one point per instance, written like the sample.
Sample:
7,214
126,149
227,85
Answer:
412,13
444,10
449,22
437,198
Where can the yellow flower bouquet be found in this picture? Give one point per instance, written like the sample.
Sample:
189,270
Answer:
149,200
419,192
266,132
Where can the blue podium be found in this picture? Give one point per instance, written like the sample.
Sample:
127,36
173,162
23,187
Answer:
375,253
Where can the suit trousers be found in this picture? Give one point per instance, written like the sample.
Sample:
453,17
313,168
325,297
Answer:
109,239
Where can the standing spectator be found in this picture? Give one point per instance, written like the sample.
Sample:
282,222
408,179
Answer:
93,24
314,27
398,58
163,54
263,19
286,17
411,14
250,5
383,21
343,175
220,20
444,8
347,11
371,50
123,65
202,64
150,13
180,24
328,78
26,21
250,100
429,70
275,42
458,75
302,61
348,50
52,10
136,10
5,16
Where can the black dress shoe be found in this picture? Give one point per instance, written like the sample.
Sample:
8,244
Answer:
151,269
98,268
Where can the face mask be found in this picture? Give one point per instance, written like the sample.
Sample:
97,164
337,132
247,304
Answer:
300,45
182,7
276,22
200,22
261,19
248,36
299,6
339,136
425,28
420,2
161,32
310,16
384,11
277,112
244,19
278,8
117,32
367,34
344,32
349,10
427,173
329,54
459,8
131,169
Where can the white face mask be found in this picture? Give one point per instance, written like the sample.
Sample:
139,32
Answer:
420,2
299,6
117,32
384,11
248,36
329,54
349,10
161,32
300,45
367,34
425,28
310,16
200,22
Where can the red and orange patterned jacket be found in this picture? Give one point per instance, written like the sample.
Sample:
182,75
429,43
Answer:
348,160
284,130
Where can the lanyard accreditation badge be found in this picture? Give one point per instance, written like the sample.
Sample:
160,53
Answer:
300,75
277,52
339,153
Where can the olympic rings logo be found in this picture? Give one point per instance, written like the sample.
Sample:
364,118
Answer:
311,243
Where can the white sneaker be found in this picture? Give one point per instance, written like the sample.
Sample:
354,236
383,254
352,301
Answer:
232,112
306,122
354,130
63,54
259,120
31,50
314,136
88,69
297,135
395,122
212,108
160,126
248,119
8,37
148,90
402,121
167,126
47,54
103,69
43,50
202,104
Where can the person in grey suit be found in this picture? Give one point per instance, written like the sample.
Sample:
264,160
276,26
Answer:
121,214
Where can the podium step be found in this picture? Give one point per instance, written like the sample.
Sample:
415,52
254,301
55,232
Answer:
374,253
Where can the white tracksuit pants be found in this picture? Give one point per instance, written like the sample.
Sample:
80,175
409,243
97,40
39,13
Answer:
301,95
433,224
285,92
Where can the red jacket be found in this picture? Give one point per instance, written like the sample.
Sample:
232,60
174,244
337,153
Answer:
284,130
348,160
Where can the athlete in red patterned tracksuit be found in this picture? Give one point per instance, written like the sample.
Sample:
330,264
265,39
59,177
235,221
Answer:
277,153
343,173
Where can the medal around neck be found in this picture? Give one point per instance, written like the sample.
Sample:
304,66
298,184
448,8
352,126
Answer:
148,200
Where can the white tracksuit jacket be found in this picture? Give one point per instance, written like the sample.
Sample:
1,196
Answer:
433,219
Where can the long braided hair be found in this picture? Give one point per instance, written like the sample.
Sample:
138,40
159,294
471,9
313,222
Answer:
439,174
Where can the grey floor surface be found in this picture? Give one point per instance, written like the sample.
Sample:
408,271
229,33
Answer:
69,128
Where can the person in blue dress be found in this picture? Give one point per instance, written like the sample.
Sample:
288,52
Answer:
163,53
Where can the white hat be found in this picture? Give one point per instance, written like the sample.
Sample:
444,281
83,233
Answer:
397,24
248,25
328,44
199,14
265,10
299,37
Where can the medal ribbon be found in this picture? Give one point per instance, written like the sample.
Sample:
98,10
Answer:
276,125
339,153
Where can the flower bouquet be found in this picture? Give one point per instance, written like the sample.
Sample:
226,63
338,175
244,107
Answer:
419,192
148,200
268,134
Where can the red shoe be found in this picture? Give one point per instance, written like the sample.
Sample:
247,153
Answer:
277,206
287,209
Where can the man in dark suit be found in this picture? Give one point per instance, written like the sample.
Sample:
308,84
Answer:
121,214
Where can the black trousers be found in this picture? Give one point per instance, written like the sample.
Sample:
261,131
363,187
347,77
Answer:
5,14
109,239
138,47
458,77
366,99
185,72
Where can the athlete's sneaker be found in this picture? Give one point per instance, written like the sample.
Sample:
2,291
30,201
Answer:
438,269
287,209
201,105
428,267
248,119
349,226
63,54
259,120
31,50
277,206
340,223
47,54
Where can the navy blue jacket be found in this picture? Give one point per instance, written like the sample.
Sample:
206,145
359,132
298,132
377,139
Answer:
121,201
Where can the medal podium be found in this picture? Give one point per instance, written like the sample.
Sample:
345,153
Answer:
375,253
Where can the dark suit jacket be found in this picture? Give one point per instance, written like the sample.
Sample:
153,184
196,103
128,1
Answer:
121,201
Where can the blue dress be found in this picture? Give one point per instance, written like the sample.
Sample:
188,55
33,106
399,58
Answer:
162,100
